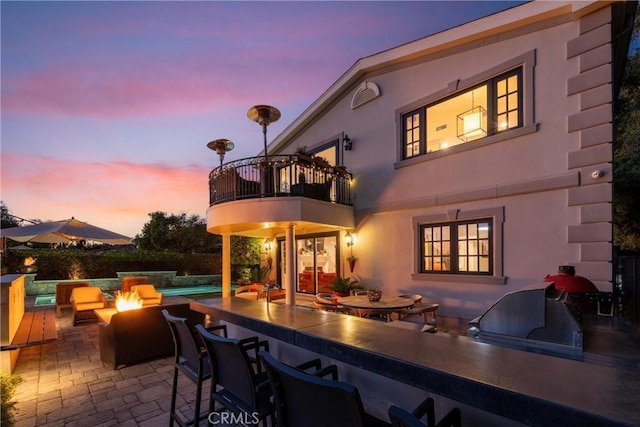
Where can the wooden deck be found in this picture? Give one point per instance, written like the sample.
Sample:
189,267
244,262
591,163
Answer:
36,327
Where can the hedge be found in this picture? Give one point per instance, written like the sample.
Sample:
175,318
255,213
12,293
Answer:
54,264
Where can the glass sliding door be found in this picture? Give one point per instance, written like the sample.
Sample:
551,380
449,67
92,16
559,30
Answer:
316,262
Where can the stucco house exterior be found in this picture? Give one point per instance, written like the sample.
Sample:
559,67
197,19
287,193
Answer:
479,159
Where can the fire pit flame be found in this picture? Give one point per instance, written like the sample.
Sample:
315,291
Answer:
128,301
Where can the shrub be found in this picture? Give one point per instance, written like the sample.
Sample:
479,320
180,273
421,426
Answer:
8,385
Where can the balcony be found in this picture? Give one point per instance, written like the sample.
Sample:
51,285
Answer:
246,194
281,176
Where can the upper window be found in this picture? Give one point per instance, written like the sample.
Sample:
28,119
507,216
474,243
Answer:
491,107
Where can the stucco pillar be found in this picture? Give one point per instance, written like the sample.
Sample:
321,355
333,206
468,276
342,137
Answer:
226,264
290,244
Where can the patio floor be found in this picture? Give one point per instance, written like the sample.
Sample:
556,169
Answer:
64,383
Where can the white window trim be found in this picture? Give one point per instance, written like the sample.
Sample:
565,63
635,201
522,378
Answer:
526,60
497,215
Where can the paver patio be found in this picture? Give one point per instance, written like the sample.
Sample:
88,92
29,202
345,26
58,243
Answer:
64,383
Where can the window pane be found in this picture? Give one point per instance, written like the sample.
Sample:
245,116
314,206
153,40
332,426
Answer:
512,84
427,234
513,119
513,101
473,247
462,264
502,88
462,248
462,231
446,230
483,230
484,264
472,264
502,105
446,263
484,247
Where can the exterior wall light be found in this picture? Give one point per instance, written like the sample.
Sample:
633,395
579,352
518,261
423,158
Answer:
267,245
346,141
348,240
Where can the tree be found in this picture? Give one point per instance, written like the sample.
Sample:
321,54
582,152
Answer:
178,233
626,160
7,220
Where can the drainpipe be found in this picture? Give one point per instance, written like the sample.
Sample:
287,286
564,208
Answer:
226,264
290,285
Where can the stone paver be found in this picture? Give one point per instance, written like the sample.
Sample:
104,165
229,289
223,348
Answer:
65,384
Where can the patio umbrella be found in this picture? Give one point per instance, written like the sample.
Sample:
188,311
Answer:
68,230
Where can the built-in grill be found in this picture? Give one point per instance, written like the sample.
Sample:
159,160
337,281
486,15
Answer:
538,319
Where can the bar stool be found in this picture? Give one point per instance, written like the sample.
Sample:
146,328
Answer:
304,399
192,360
240,384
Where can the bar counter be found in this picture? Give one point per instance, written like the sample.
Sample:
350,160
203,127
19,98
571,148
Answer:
529,388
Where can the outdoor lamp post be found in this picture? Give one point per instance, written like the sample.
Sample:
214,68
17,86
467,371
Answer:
221,146
264,115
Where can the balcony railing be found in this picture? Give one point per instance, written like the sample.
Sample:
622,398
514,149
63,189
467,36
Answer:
279,176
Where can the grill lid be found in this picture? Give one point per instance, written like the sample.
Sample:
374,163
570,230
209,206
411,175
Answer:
536,319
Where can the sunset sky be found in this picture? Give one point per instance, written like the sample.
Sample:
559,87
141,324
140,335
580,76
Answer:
107,107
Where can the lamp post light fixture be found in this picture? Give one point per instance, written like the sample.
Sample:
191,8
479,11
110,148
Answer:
221,146
264,115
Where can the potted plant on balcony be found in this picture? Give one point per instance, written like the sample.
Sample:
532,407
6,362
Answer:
321,162
341,170
342,286
303,156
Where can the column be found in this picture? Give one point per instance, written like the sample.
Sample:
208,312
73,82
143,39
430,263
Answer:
226,264
290,244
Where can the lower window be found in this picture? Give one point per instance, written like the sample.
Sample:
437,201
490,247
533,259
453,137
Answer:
457,247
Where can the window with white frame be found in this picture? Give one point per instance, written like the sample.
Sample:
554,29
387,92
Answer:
491,107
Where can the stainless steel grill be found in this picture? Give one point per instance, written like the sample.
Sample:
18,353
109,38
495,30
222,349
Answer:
537,319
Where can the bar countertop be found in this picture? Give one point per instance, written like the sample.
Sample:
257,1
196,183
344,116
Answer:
530,388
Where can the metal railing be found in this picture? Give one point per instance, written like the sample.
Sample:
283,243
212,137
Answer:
279,176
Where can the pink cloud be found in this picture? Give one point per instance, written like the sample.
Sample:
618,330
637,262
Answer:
116,195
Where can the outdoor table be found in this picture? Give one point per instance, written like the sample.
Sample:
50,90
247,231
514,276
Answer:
384,307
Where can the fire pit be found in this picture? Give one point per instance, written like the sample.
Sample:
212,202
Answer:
28,266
